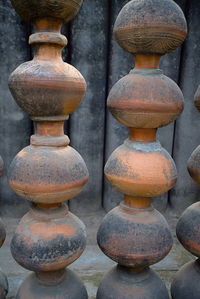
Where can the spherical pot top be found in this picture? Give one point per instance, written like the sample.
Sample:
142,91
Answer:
30,10
150,26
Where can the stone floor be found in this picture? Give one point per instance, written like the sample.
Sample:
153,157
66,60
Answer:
93,264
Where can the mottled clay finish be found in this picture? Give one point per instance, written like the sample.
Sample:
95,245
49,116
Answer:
134,234
48,171
188,229
150,27
140,169
48,242
133,248
187,280
123,283
30,10
37,79
69,285
156,105
48,174
193,165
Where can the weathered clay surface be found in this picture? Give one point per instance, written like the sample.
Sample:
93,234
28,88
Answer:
33,9
187,282
70,287
188,229
37,80
156,105
134,248
48,174
48,242
193,165
135,235
141,169
124,283
49,171
150,27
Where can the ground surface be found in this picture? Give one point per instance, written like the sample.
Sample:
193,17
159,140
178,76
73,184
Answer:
93,264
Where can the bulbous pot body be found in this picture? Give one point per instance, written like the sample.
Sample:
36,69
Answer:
130,236
48,240
45,174
123,283
71,287
141,169
156,105
48,91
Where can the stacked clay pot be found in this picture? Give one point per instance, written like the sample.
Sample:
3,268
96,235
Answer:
48,171
134,234
186,283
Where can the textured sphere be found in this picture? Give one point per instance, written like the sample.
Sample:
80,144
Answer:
193,165
47,90
188,229
197,98
130,236
150,27
30,10
141,169
48,241
156,105
48,174
70,288
123,283
186,284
